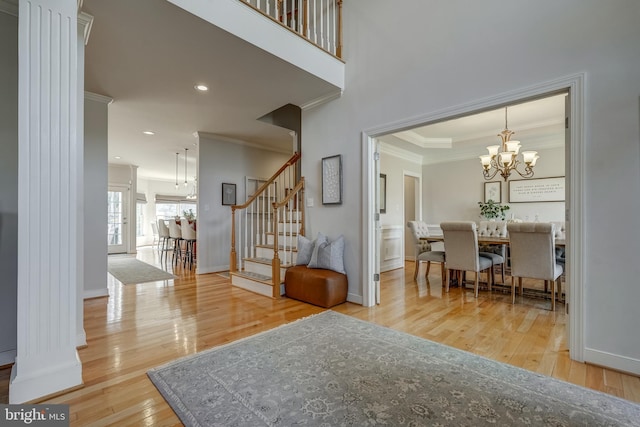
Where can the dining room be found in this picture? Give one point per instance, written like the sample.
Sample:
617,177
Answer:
433,174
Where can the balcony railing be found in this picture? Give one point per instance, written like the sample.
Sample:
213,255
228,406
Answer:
319,21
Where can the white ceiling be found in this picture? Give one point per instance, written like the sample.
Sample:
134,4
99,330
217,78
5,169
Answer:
537,124
149,54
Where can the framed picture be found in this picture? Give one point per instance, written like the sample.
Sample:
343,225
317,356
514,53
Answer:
537,190
332,180
493,191
228,194
383,193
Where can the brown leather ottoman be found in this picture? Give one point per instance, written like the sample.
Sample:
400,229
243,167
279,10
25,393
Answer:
325,288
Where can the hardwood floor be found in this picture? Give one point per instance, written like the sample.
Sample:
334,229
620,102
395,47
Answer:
142,326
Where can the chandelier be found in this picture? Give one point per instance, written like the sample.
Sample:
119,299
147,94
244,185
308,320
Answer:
193,195
502,159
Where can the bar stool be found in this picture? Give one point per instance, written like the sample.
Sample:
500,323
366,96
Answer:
175,234
189,237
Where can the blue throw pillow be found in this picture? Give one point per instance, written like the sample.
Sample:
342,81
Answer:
305,249
328,255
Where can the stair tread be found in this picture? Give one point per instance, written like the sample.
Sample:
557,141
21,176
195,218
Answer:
255,276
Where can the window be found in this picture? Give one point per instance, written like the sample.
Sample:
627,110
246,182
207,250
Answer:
167,210
139,219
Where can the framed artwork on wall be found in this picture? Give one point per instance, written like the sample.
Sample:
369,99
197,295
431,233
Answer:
383,193
537,190
493,191
228,194
332,180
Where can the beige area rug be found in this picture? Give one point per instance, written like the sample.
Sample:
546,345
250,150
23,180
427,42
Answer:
130,271
335,370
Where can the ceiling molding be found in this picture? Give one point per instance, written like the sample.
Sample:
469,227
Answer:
415,138
86,21
400,153
10,7
215,137
98,98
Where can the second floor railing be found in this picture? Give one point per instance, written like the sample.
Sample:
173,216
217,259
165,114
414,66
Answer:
319,21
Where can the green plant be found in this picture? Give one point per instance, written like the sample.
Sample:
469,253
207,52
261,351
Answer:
189,215
491,209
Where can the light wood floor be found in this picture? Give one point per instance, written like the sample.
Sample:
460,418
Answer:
142,326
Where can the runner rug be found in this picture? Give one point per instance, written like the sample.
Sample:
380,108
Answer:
130,271
334,370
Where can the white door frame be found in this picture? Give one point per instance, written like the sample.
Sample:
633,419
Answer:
418,202
126,220
575,206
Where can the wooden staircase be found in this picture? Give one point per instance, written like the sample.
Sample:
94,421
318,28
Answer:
268,220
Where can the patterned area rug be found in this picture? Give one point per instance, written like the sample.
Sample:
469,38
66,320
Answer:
334,370
129,271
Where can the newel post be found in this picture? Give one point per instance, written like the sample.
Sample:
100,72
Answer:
233,256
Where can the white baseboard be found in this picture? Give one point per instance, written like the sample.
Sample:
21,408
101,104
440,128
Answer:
96,293
356,299
613,361
212,269
7,357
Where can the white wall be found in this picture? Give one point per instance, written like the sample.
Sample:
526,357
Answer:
454,53
95,196
8,185
223,161
452,190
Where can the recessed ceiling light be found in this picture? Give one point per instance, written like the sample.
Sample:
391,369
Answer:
117,157
148,132
201,88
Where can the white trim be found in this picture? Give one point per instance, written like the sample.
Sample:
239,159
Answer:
7,357
214,137
86,22
212,269
400,153
621,363
576,272
368,223
81,338
354,298
96,293
98,98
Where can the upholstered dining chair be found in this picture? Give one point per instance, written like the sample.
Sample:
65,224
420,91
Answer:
497,253
461,250
422,248
188,234
164,238
532,246
175,234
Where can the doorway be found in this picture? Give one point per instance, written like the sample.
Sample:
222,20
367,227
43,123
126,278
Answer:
412,210
574,87
117,208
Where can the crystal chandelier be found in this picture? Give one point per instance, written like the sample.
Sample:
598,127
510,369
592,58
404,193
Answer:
194,190
502,159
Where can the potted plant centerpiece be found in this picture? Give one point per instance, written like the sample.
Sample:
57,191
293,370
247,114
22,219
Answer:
492,210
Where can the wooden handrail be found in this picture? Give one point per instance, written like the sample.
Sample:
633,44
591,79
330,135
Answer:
292,193
291,161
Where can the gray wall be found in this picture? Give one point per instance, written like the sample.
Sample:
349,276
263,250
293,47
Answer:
8,186
222,161
95,198
453,54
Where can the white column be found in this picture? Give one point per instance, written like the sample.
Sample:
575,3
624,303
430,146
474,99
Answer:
50,254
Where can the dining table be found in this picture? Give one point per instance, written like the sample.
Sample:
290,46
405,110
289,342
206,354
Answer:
484,240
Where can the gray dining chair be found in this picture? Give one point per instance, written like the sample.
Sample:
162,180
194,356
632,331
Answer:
532,247
423,252
497,253
461,250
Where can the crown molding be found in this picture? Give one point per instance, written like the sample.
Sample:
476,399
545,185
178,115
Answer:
9,7
401,153
216,137
86,21
98,98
